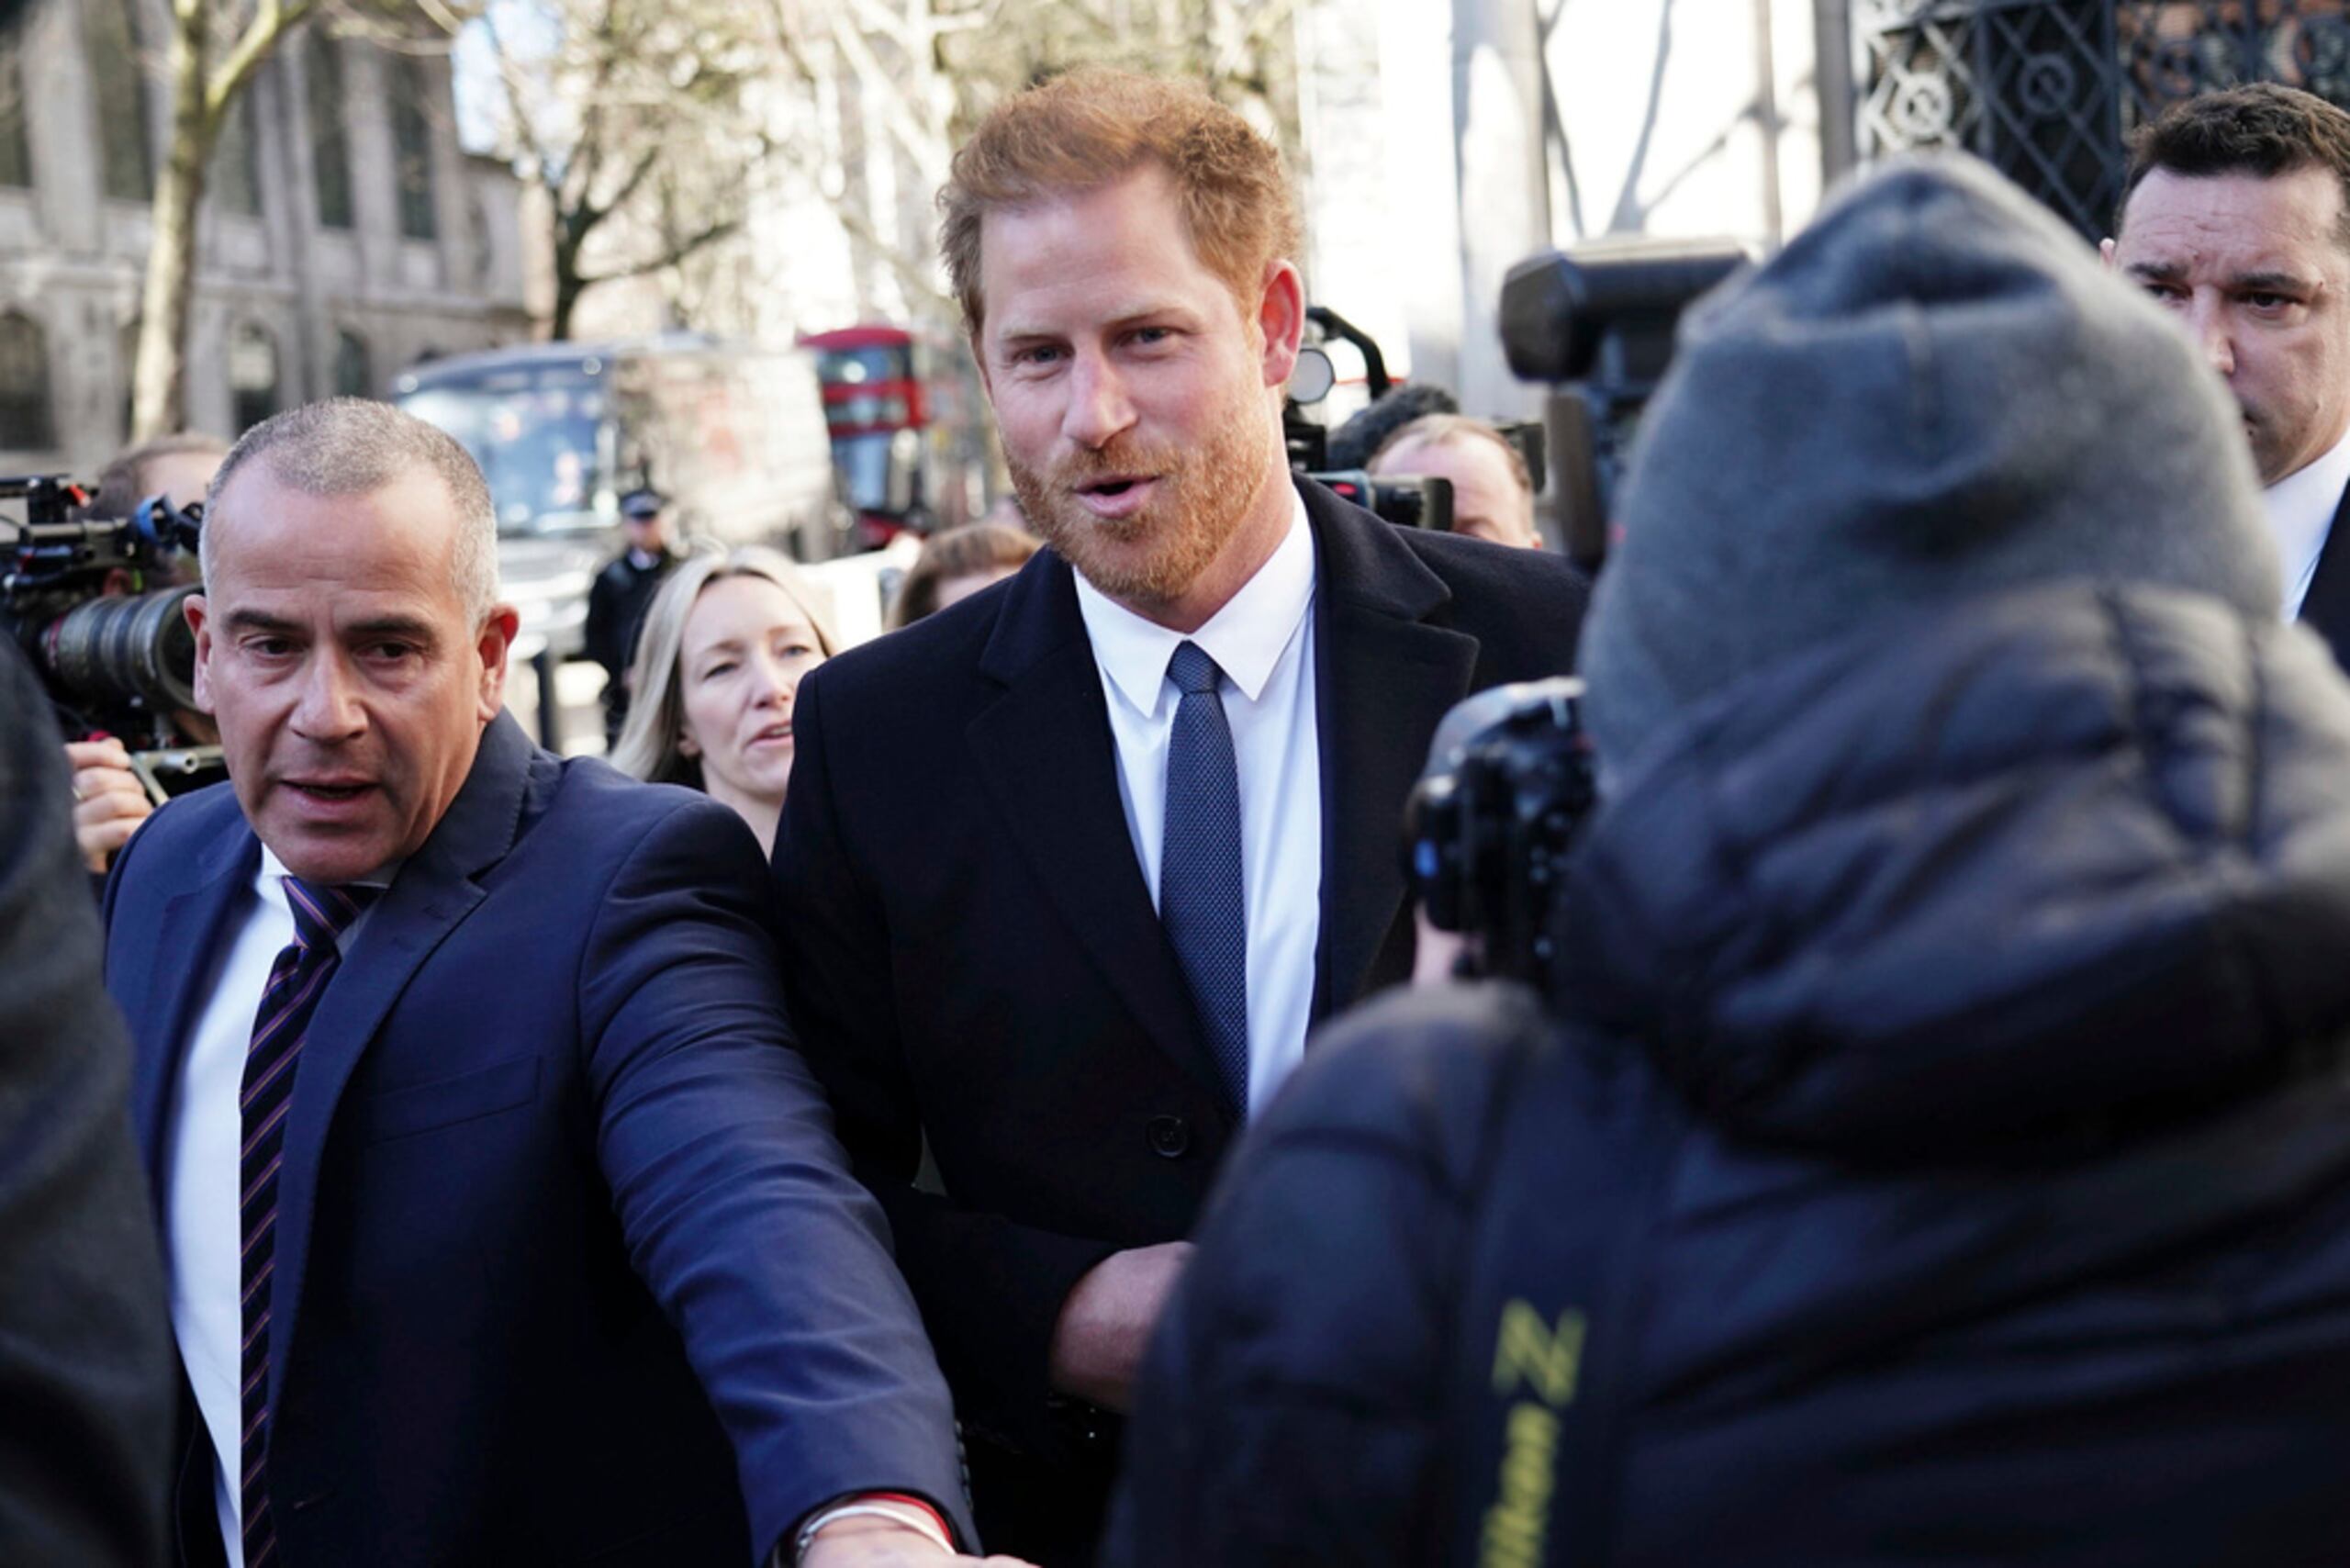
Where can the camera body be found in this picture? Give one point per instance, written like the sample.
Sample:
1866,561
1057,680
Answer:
1487,830
114,663
1598,324
1406,500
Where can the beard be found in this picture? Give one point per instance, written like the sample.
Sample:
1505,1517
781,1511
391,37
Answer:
1151,559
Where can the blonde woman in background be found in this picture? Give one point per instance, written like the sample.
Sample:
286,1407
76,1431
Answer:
724,644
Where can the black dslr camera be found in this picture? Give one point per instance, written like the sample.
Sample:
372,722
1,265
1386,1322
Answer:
1488,827
1597,322
114,663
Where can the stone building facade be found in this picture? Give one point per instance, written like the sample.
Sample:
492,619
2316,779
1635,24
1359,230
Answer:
344,236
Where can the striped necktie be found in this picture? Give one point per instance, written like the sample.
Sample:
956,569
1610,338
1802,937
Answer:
297,981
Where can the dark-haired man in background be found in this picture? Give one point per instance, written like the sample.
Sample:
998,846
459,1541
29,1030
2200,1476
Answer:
2235,216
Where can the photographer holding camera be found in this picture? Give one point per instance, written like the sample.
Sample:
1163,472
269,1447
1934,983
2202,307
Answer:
1932,1141
109,795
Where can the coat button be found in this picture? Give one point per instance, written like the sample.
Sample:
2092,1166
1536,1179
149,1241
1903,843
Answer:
1170,1136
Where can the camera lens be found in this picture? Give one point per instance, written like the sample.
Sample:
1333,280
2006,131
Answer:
112,651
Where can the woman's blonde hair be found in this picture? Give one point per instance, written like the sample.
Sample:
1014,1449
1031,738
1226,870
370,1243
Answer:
648,745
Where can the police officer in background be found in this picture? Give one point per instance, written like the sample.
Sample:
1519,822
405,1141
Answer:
616,603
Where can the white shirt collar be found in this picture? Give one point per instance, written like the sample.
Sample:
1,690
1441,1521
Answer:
2300,508
1245,638
269,884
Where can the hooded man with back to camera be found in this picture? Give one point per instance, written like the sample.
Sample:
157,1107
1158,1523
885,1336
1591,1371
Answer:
1935,1146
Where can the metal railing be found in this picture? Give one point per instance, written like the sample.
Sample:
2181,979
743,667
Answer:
2047,91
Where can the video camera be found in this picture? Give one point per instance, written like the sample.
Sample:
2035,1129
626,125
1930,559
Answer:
1598,324
1409,500
1406,501
114,663
1511,778
1489,825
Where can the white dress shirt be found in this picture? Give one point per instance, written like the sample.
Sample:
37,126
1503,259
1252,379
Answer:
1263,640
202,1152
2300,508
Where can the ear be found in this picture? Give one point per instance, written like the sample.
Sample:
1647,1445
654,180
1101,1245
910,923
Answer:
1280,321
686,745
199,621
494,642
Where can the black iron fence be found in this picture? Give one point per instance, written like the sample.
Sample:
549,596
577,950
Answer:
2047,90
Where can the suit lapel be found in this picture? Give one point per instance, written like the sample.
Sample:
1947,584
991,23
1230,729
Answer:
1384,676
2326,606
431,894
185,960
1045,758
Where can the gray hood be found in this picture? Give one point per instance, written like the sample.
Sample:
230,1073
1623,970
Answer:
2051,854
1935,391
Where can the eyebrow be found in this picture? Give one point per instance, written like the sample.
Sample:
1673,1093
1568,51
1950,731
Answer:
2271,282
2275,282
1131,315
259,620
736,644
414,628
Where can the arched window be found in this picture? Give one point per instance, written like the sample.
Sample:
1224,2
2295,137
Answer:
410,87
354,376
252,375
110,38
25,423
330,143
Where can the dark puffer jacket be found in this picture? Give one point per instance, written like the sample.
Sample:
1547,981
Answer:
1989,984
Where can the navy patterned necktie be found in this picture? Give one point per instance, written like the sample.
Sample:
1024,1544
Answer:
297,981
1203,901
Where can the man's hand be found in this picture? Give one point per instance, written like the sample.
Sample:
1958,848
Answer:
108,800
1106,1322
884,1543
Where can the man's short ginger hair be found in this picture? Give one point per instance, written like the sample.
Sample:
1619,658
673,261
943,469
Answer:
1092,128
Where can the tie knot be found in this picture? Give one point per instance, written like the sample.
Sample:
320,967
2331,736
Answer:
321,912
1192,671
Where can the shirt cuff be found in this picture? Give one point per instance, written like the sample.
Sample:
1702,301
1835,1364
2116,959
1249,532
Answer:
911,1512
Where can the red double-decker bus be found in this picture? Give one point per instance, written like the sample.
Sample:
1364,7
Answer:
904,437
880,409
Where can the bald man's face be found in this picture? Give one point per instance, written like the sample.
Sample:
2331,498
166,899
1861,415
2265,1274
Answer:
334,647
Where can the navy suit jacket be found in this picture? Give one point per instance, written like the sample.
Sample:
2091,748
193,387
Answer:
977,968
565,1242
